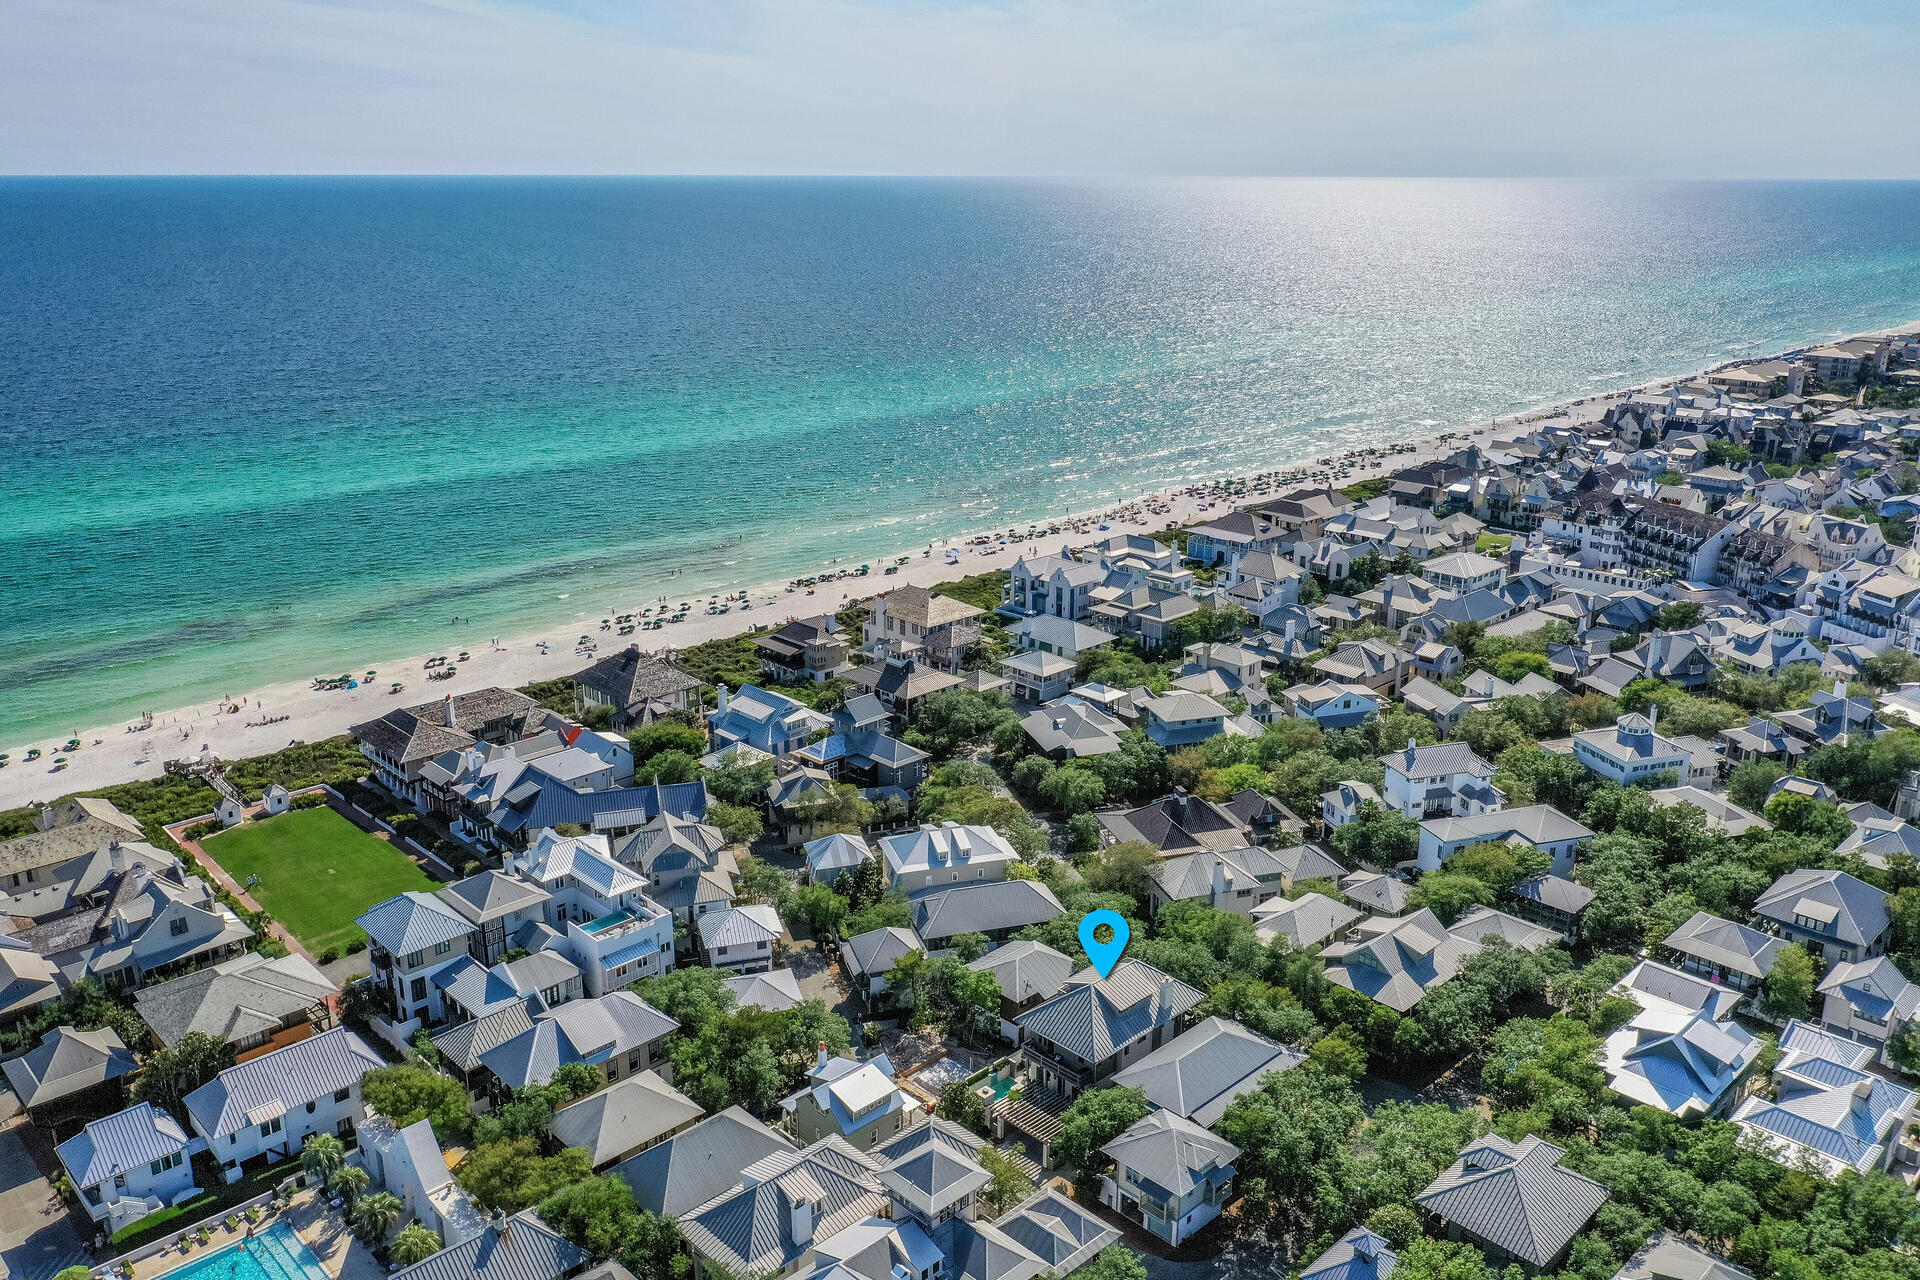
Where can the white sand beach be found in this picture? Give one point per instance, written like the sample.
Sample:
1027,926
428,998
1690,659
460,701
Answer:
257,721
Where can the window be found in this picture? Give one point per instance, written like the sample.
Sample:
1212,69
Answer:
419,988
341,1095
441,948
178,926
310,1107
414,958
271,1127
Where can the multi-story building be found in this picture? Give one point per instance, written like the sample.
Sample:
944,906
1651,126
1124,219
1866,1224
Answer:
262,1111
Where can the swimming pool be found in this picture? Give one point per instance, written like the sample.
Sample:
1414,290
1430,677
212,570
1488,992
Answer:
276,1253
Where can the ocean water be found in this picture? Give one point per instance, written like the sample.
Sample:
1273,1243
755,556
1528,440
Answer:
256,429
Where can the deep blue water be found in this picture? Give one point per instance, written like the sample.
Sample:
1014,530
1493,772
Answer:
259,428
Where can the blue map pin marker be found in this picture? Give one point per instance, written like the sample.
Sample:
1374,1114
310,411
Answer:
1104,955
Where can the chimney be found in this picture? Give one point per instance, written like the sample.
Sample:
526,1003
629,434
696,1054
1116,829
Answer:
721,685
1796,379
820,1057
801,1220
446,712
1165,1012
1219,878
1839,688
1653,715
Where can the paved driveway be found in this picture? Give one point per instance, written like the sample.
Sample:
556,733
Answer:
37,1237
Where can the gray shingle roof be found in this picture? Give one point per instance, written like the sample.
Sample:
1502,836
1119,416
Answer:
1515,1196
246,996
699,1163
275,1083
1095,1018
1198,1073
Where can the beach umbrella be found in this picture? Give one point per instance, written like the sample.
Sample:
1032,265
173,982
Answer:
59,759
5,756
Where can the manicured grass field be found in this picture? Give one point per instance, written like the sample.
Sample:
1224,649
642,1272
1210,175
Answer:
1494,542
317,872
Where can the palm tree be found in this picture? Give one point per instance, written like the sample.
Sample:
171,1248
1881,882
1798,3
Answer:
321,1155
414,1244
375,1215
347,1182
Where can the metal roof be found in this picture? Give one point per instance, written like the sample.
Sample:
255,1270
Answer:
120,1142
984,908
627,1114
697,1164
1170,1151
1094,1019
67,1061
520,1248
413,921
1197,1074
302,1072
1515,1196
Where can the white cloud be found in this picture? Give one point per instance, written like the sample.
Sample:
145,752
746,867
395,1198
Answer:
1025,86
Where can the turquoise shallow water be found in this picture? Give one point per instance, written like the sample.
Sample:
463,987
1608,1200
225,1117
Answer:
259,428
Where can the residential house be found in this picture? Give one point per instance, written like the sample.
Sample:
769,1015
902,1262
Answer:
684,1171
1072,728
1177,823
520,1247
1028,973
28,980
775,991
619,1033
831,857
1057,585
995,908
71,1076
688,867
1199,1072
1061,637
1462,572
913,621
624,1119
1867,1000
1343,804
128,1165
1096,1026
1540,825
1376,893
902,684
1630,752
64,833
262,1110
251,1002
937,857
741,939
408,1163
1238,881
867,958
1181,718
146,919
1514,1200
784,1206
1440,781
1828,1111
497,905
804,649
1678,1055
1836,917
1360,1254
1170,1175
1232,535
401,743
856,1102
768,721
1306,921
1374,664
1331,704
1553,902
1037,676
638,686
1722,951
1395,962
1832,719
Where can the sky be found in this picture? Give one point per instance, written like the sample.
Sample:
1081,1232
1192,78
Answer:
1603,88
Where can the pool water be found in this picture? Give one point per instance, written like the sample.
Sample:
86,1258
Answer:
273,1254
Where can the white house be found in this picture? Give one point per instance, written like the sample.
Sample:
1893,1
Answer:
1440,781
409,1163
612,930
1631,751
128,1165
741,939
267,1106
1540,825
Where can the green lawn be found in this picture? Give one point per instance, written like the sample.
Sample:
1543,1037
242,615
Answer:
1495,542
317,872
